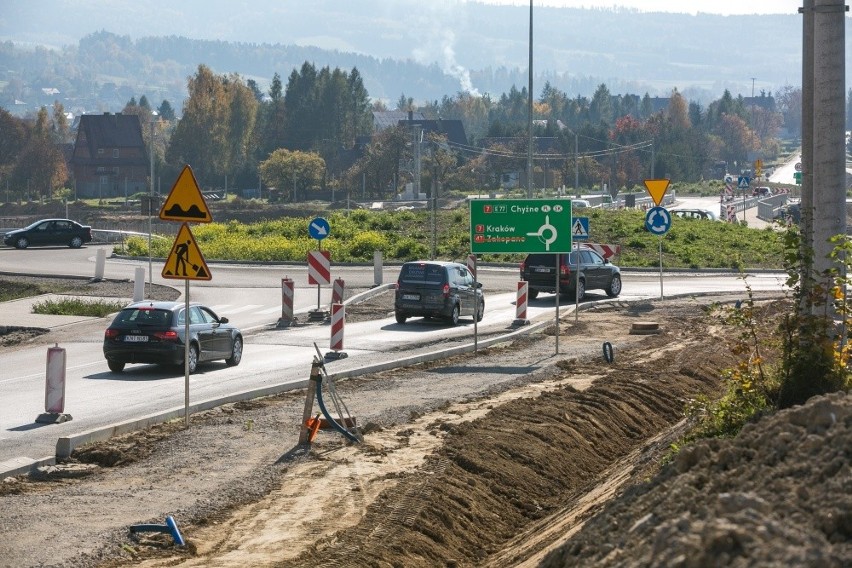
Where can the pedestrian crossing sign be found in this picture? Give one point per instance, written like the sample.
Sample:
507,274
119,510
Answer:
185,261
580,228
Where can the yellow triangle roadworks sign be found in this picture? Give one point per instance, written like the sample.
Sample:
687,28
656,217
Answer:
186,262
185,201
657,189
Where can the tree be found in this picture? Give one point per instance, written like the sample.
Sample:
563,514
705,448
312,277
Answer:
166,111
789,100
41,165
61,127
600,109
380,165
440,161
215,134
13,136
291,171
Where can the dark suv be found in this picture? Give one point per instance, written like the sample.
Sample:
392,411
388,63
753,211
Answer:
434,289
596,273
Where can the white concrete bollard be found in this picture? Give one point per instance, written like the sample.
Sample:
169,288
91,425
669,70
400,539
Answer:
139,284
377,267
100,263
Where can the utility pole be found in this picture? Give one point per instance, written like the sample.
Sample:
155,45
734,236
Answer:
150,207
530,112
829,150
806,246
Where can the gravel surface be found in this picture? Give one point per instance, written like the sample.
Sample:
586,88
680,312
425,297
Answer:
513,456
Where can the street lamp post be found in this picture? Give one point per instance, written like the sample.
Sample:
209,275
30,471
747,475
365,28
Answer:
150,205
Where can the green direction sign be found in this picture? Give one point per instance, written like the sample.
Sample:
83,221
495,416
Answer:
520,225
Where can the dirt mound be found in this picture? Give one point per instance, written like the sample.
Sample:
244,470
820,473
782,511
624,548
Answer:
780,494
511,471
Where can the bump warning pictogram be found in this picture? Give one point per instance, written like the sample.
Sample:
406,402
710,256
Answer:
185,201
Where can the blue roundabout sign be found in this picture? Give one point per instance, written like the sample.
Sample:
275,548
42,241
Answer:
658,220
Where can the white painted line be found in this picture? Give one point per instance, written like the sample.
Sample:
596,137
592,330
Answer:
245,308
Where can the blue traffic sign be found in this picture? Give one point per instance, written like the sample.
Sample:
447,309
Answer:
319,228
743,181
580,229
658,220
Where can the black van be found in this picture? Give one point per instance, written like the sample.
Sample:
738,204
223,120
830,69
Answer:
596,273
435,289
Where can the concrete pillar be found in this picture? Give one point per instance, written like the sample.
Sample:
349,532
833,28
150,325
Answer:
829,118
807,188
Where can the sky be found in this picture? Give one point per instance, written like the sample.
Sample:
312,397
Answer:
724,7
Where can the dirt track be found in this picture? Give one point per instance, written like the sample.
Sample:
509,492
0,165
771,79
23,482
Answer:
489,460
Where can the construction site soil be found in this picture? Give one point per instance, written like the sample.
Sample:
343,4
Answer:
512,456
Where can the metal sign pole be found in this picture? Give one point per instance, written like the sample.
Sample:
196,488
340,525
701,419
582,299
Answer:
558,266
319,248
186,355
576,288
661,268
475,306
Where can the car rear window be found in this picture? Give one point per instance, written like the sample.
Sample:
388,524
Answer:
549,259
422,273
144,316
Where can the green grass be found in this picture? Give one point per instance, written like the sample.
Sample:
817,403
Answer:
406,235
77,307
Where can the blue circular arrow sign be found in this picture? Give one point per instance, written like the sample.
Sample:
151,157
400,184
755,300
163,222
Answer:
319,228
658,220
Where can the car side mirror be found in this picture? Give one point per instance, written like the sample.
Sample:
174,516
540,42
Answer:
223,320
479,284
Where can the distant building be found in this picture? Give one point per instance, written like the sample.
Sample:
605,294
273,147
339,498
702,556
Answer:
451,128
110,158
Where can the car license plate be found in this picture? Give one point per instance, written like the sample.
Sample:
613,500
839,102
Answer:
135,338
411,296
542,270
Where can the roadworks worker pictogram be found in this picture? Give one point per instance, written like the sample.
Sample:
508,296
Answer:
185,261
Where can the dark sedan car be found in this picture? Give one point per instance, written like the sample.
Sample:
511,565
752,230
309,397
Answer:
596,273
154,332
63,232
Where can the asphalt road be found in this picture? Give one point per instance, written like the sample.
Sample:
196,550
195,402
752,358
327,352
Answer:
251,297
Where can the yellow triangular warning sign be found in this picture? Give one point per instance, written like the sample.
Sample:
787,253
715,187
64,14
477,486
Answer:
185,201
657,189
186,262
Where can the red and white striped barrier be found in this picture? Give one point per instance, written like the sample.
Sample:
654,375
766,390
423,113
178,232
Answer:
471,264
521,304
54,388
319,267
606,251
337,292
286,301
338,319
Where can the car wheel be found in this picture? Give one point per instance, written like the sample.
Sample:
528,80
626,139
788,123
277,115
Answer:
400,318
193,358
481,313
454,316
580,293
533,294
22,243
76,243
236,353
115,366
614,288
